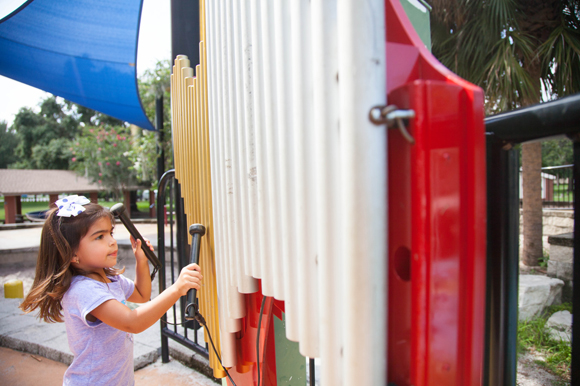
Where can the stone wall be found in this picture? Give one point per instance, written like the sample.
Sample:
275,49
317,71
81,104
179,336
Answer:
561,260
555,222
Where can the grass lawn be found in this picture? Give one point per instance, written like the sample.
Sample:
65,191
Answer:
143,206
561,193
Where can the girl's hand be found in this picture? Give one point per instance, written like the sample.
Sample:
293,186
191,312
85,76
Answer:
139,254
189,277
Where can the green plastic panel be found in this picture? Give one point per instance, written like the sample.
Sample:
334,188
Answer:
418,12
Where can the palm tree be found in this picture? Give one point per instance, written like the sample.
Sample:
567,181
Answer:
521,52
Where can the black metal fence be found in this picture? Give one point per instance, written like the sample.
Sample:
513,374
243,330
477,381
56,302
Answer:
558,186
170,214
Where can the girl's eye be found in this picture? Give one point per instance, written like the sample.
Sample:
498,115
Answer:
99,237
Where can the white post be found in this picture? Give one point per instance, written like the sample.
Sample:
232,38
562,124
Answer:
305,182
286,165
362,83
261,161
328,176
246,66
271,137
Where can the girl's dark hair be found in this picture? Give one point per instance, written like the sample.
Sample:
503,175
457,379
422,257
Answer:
59,242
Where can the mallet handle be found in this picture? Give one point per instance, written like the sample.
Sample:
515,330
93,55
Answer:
196,231
119,211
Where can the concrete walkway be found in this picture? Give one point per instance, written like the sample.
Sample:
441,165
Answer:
27,341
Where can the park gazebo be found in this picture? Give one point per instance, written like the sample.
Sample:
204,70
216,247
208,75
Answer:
14,183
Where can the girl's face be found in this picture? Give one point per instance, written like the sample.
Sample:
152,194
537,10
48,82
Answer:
97,249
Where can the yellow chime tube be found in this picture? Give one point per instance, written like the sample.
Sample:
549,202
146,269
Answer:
192,170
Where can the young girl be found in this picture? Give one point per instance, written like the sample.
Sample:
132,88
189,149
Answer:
76,276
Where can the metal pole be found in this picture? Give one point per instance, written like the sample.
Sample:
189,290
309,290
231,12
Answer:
502,264
163,181
185,29
159,127
575,368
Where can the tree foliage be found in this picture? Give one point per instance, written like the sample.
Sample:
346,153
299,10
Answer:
101,154
557,152
8,143
152,85
510,47
37,132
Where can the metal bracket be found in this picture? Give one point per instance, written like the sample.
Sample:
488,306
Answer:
393,118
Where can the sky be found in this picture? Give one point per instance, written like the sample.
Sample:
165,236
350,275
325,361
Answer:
154,45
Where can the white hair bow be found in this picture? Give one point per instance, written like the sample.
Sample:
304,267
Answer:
71,205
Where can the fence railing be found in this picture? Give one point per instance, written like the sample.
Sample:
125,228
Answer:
557,187
187,333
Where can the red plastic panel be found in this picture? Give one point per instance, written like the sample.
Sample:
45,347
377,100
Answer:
437,239
437,218
246,372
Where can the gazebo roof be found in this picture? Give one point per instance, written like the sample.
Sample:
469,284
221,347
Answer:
15,182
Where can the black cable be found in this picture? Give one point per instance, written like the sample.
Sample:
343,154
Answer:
201,320
216,353
258,338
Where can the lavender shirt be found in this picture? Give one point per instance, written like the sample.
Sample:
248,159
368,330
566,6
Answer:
103,355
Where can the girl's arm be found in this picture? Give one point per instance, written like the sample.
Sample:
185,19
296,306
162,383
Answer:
121,317
142,292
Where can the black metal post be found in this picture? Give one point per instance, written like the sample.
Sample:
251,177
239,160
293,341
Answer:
500,362
575,369
163,181
185,30
183,250
159,127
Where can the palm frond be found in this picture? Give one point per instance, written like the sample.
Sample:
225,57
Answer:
561,61
506,80
498,15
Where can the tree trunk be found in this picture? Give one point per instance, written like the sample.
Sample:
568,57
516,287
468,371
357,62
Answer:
532,202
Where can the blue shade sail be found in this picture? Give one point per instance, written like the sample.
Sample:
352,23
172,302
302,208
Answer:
82,50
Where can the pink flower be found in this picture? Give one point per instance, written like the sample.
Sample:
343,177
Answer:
100,182
118,163
74,159
100,164
123,138
118,137
108,164
91,131
100,174
77,144
114,145
100,149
